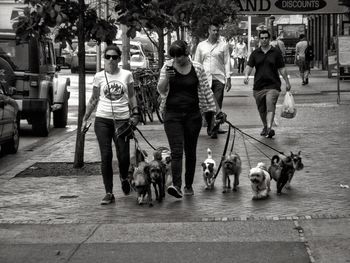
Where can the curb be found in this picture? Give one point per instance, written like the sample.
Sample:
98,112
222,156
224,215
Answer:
58,221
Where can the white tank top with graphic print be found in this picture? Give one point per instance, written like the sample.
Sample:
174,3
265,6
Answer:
113,95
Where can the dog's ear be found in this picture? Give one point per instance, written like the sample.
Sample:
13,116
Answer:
204,165
146,169
157,156
211,167
168,159
299,153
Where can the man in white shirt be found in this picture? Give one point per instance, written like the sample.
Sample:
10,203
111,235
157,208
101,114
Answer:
241,53
301,61
214,55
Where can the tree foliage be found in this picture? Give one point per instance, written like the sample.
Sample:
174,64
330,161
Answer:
41,17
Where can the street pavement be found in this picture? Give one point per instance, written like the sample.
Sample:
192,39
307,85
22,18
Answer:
59,219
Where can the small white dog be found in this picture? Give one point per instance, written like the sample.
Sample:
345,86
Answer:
260,181
209,170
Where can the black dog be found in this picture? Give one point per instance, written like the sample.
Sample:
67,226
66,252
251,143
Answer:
282,169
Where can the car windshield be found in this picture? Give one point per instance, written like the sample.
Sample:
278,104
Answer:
15,55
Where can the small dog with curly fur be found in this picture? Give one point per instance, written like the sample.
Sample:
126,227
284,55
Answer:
209,170
260,181
231,166
157,174
141,182
163,155
282,169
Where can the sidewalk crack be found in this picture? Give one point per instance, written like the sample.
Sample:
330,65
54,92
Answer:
83,242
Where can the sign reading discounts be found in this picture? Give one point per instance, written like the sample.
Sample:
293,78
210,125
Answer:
290,7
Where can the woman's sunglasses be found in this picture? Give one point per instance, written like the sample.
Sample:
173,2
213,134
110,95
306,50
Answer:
114,57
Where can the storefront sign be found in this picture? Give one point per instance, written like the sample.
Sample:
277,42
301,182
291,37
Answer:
290,7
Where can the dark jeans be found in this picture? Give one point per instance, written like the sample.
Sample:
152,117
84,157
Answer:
241,62
104,130
182,131
218,89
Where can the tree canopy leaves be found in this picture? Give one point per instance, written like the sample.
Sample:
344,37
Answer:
61,18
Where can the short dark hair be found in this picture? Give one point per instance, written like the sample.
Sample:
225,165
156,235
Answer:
264,32
113,47
178,48
216,21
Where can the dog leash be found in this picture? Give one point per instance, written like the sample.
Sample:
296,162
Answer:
246,152
225,150
242,132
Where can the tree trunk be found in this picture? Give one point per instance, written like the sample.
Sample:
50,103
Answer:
125,48
160,48
80,139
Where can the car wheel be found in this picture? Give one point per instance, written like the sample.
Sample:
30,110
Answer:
60,116
41,123
12,145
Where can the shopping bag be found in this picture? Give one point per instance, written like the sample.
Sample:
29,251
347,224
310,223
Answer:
288,108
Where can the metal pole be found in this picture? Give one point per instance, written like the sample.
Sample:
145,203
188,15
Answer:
249,32
338,64
98,47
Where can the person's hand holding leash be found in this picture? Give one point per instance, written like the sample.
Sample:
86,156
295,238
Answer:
85,127
221,117
246,80
135,119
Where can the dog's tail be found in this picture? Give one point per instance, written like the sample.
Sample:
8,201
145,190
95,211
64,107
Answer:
209,154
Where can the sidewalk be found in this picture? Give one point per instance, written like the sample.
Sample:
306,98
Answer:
55,219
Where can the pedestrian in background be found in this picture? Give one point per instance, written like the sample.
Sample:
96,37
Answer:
241,51
113,94
185,93
214,55
268,63
301,61
278,43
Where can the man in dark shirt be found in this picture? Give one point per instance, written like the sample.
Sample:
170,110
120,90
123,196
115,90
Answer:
268,63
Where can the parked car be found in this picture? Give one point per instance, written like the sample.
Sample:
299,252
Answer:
90,56
67,54
138,58
9,119
30,69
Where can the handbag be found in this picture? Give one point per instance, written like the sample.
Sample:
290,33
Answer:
122,128
288,108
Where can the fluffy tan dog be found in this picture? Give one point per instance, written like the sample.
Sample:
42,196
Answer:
231,165
260,181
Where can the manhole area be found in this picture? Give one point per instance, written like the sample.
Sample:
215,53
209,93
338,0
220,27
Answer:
60,169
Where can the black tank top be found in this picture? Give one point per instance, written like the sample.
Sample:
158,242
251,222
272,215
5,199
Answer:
183,92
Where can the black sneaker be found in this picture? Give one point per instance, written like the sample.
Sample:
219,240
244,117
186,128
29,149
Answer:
126,186
214,135
306,81
270,133
174,191
188,190
263,132
108,199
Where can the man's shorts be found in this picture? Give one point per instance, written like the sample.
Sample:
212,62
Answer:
266,99
303,65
